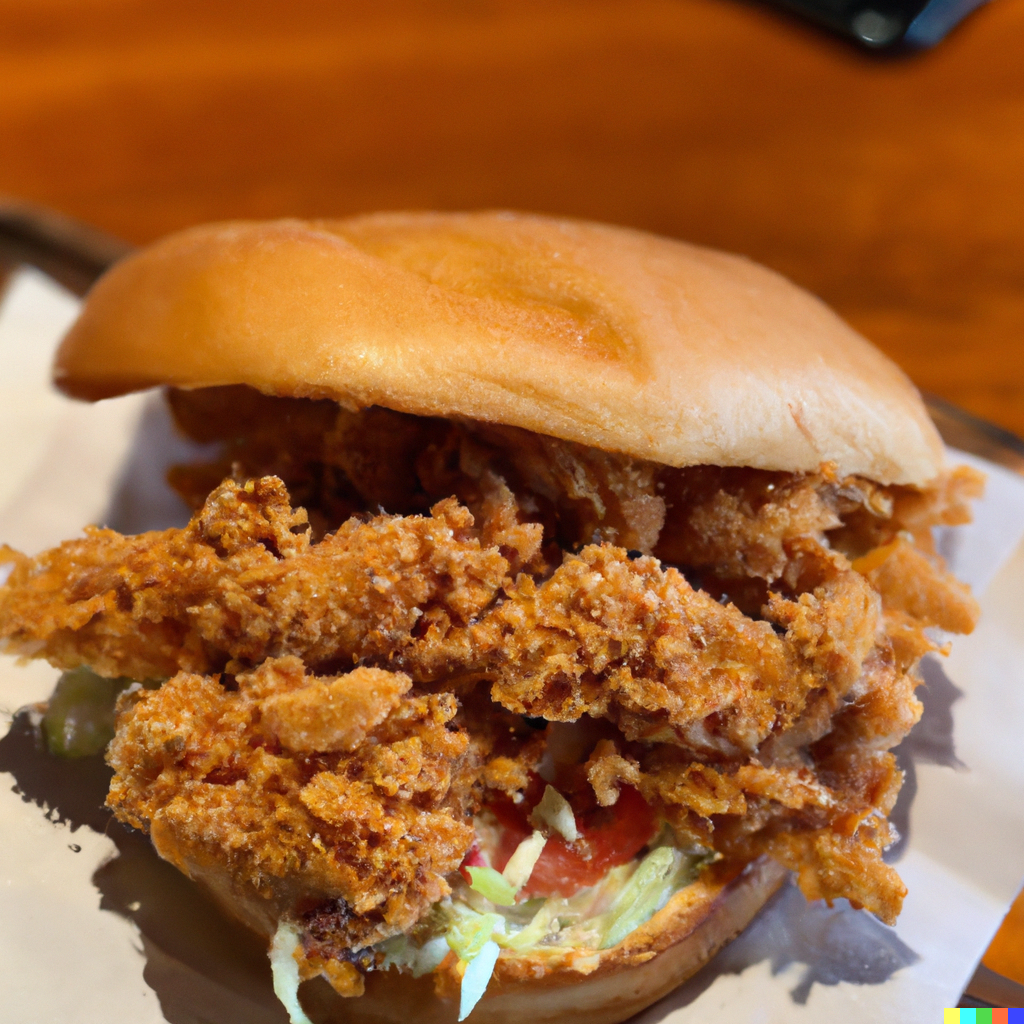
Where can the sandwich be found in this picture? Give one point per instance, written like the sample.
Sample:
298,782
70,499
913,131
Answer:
552,592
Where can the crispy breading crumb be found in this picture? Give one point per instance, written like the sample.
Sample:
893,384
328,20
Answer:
326,736
334,715
377,826
243,582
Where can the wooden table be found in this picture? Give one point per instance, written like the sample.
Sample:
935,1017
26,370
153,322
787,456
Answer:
894,188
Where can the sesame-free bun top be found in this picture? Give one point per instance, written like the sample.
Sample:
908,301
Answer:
602,335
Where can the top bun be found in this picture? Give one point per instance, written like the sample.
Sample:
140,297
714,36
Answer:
601,335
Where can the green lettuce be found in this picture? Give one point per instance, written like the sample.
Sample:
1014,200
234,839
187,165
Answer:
661,873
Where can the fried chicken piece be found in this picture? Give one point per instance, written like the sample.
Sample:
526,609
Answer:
732,522
605,635
816,792
742,738
630,640
914,510
261,436
369,824
830,866
737,521
879,711
598,495
833,621
917,587
825,821
240,584
335,715
338,461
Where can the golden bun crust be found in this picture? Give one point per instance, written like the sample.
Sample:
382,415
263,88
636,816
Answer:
596,334
571,987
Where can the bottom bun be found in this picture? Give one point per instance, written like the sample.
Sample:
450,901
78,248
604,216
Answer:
544,985
565,987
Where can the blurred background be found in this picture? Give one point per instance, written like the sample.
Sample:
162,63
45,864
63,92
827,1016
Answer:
892,186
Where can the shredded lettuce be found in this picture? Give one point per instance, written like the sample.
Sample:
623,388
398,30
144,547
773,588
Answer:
596,917
476,978
493,885
555,812
660,874
471,931
542,924
476,927
521,864
429,957
400,951
472,937
285,970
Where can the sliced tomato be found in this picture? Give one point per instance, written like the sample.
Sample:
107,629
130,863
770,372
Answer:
609,836
473,859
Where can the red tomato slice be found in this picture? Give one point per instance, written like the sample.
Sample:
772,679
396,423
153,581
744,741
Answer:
473,859
609,836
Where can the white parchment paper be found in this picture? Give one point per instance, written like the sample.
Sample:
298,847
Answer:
93,927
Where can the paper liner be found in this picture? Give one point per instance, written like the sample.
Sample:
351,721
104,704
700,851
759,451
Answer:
95,928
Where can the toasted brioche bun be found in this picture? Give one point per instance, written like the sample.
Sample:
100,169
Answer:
600,335
550,987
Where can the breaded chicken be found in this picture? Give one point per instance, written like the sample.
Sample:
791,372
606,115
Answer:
343,700
370,806
243,582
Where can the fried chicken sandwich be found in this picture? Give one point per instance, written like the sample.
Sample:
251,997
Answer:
556,589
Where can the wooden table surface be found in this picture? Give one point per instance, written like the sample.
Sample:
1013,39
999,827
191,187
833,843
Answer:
893,188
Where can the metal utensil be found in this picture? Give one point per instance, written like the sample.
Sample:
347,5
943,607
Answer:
69,251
